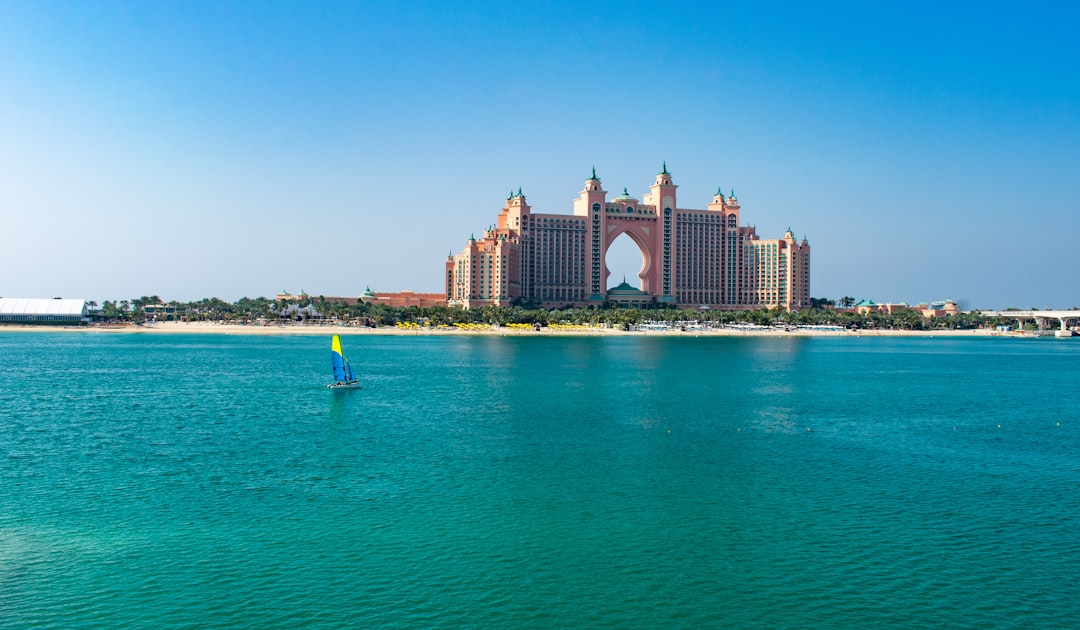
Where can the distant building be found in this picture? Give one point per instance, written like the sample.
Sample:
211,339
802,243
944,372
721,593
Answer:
864,307
627,296
400,298
32,311
403,298
159,312
944,308
692,258
285,296
297,313
933,309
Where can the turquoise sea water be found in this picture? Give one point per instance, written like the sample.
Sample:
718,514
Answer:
163,481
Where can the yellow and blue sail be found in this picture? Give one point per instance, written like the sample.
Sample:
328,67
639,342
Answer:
342,370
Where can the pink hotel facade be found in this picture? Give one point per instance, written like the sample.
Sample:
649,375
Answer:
691,258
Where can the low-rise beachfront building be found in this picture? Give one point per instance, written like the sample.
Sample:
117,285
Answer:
50,312
159,312
402,298
865,307
690,258
296,313
627,296
944,308
386,298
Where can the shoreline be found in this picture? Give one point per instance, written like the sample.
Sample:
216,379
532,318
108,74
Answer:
477,330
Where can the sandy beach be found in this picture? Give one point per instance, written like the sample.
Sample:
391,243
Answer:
481,329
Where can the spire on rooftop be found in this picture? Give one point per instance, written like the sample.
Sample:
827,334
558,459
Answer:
664,172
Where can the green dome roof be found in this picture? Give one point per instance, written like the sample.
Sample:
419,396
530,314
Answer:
625,289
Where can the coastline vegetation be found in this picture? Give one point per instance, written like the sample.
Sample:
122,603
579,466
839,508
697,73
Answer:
317,309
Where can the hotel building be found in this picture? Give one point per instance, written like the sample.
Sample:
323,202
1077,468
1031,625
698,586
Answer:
691,258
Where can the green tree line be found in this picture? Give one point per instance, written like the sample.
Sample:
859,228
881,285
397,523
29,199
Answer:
266,310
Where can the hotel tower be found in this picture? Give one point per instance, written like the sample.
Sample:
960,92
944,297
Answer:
691,258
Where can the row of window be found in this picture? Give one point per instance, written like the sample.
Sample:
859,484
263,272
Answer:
694,273
9,317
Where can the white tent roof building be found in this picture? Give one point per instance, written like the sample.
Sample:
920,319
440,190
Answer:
42,311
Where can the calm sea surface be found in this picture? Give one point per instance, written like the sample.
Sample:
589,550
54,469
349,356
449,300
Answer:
189,481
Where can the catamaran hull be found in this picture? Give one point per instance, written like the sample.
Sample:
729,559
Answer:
352,385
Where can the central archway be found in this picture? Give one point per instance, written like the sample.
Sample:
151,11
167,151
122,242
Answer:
641,235
624,261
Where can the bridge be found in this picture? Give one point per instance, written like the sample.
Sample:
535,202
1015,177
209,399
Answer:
1043,319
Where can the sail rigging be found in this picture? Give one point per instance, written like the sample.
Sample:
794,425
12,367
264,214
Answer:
343,373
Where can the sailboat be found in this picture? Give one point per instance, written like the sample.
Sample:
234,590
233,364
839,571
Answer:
343,374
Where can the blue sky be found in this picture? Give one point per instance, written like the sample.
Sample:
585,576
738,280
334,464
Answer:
229,149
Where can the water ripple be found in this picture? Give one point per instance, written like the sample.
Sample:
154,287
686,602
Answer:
515,482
